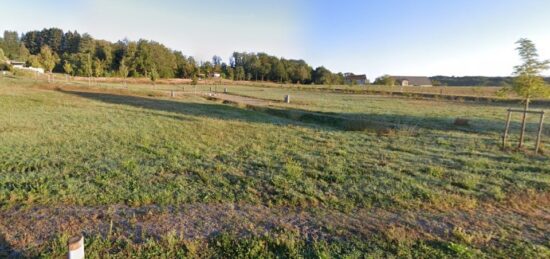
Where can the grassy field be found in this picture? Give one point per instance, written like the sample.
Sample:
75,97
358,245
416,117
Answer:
149,176
181,84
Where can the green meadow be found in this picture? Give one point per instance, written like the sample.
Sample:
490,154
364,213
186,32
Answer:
406,182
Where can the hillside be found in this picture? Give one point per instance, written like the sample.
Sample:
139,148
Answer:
475,81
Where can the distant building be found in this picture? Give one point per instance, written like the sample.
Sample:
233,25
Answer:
38,70
215,75
350,78
412,80
16,64
22,65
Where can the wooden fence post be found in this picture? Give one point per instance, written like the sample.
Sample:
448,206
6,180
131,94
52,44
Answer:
505,136
523,125
76,247
539,135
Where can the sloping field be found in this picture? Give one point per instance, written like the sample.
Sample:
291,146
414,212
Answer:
152,176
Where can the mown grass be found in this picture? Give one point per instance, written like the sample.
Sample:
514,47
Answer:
184,84
179,83
435,114
76,147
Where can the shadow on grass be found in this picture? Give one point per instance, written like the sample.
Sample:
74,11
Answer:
156,105
284,116
6,250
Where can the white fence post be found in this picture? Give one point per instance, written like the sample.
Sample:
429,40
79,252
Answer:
76,247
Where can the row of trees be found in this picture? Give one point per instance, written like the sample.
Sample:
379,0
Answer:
475,81
472,81
82,55
460,81
261,66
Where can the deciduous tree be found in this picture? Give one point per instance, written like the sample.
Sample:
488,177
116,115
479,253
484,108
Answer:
2,56
123,70
47,58
385,80
528,82
68,68
154,75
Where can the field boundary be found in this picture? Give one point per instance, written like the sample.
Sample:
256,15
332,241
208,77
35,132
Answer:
421,96
322,88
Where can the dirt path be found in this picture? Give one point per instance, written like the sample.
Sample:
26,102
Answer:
241,99
230,98
23,228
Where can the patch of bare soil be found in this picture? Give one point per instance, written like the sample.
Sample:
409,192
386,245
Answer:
24,228
239,99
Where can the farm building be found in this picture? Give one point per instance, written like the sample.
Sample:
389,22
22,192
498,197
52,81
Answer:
16,64
412,80
351,78
22,66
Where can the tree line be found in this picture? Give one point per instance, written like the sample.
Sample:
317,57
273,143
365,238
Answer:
81,55
474,81
503,81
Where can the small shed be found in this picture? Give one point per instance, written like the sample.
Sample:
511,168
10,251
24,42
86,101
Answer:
16,64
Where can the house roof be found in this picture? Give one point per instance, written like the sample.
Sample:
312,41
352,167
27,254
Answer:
414,80
15,62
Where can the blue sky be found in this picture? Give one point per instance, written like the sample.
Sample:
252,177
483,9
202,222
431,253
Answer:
405,37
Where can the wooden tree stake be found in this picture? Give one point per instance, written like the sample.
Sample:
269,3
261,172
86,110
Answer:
523,124
525,112
539,135
505,136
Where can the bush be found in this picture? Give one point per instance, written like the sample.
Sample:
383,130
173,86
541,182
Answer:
503,92
5,67
23,73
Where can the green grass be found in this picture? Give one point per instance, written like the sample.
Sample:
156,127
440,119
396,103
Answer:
79,148
284,245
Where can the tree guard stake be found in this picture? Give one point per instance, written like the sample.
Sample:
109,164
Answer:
505,136
76,247
523,126
539,135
